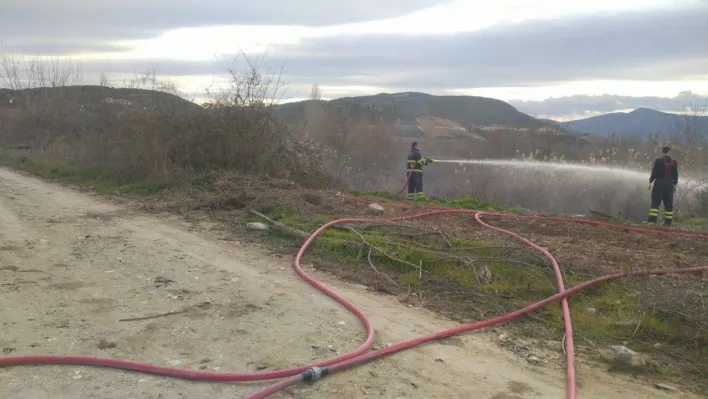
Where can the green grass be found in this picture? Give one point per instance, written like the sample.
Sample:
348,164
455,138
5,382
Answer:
696,222
460,202
102,179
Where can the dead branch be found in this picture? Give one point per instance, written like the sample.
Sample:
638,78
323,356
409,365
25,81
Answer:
155,316
283,228
367,243
376,270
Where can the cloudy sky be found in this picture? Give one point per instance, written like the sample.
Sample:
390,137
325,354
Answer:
529,50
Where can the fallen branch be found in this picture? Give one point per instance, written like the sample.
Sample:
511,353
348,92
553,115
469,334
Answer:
367,243
171,313
468,248
155,316
376,270
283,228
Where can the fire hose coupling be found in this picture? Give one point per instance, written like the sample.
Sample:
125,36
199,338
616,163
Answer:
315,373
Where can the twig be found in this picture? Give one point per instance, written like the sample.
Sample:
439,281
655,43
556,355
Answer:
446,240
155,316
639,324
367,243
590,342
185,310
376,270
545,261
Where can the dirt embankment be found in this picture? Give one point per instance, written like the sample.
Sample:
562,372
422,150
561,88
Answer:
72,266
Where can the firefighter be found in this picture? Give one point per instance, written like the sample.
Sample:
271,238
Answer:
664,175
415,172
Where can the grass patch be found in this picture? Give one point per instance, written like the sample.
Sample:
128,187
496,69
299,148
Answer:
696,222
102,179
460,202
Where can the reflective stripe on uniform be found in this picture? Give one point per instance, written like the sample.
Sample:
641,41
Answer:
668,215
653,212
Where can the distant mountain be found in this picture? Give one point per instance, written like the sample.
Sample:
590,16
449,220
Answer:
642,122
581,106
417,114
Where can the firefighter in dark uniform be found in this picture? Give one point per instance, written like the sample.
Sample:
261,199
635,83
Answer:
415,172
664,175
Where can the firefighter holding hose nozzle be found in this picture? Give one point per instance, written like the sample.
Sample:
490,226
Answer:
414,172
664,175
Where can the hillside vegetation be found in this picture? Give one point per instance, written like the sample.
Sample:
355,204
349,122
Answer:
92,98
412,113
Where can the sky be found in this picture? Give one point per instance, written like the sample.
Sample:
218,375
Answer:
526,52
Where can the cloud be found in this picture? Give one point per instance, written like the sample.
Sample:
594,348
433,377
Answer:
666,44
657,45
137,19
640,45
584,106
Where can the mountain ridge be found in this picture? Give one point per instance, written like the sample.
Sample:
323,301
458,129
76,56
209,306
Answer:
641,123
416,114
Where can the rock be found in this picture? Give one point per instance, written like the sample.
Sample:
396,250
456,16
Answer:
664,387
591,310
486,274
105,344
533,359
622,356
175,363
555,345
503,337
257,226
375,209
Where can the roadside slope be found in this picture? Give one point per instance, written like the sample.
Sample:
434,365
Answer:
74,265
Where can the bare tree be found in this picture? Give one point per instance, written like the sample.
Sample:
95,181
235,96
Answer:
316,93
250,83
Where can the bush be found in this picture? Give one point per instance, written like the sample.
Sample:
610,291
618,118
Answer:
146,131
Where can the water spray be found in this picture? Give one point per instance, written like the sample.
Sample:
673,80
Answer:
613,171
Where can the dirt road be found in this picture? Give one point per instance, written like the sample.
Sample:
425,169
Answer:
72,265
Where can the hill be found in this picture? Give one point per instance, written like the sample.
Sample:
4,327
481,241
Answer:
642,122
418,114
93,97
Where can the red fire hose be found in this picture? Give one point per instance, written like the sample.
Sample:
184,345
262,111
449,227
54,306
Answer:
360,355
